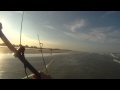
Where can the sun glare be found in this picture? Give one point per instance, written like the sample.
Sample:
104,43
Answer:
1,56
8,29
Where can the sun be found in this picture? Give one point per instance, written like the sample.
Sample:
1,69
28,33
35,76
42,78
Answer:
5,23
8,29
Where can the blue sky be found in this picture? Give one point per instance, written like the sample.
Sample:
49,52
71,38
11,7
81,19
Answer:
92,31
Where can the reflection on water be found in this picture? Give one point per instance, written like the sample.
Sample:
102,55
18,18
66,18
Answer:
11,67
2,56
65,66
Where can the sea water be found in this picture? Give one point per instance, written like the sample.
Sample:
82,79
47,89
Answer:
64,66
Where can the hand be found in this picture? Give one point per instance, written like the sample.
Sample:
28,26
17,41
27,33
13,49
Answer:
43,76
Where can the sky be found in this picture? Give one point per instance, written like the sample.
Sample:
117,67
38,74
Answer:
91,31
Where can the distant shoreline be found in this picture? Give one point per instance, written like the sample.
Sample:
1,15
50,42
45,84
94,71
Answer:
5,50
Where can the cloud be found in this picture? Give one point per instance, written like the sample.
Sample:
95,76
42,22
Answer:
20,12
103,35
26,13
97,36
108,13
74,26
50,27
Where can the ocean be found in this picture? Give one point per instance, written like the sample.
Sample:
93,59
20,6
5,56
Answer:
77,65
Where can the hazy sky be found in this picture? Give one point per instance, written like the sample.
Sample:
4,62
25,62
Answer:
96,31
